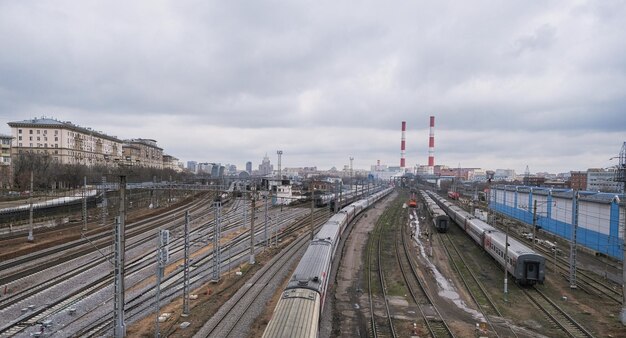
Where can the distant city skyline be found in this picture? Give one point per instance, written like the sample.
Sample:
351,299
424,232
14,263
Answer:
511,84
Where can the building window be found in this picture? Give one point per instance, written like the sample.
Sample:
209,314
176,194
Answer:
38,138
45,132
19,131
30,138
45,139
38,131
30,131
56,132
19,138
56,139
19,144
31,144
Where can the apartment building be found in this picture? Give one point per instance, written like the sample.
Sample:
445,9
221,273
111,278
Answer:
143,153
171,162
5,161
67,143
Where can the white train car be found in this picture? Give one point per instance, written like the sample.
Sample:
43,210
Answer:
298,311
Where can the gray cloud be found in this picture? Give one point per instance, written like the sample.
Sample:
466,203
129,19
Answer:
229,81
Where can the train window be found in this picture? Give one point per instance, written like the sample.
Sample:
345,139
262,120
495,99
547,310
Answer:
531,268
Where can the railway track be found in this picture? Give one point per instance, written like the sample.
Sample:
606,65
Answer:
53,280
66,300
227,321
477,291
380,327
74,296
586,281
557,315
143,303
434,321
44,259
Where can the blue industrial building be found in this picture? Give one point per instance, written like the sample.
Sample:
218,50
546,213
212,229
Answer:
599,216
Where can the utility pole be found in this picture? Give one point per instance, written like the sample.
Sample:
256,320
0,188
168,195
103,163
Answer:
245,211
186,268
267,239
252,261
621,177
120,249
336,197
162,258
351,159
312,207
84,203
506,260
573,243
534,221
217,229
31,237
104,200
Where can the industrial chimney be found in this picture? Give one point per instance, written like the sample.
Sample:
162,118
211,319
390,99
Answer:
431,147
403,146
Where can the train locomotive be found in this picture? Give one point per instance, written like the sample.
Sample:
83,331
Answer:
523,263
298,311
439,217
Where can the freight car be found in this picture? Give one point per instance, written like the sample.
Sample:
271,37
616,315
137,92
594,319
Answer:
299,309
524,264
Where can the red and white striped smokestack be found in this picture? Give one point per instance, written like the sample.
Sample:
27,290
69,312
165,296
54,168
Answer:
403,145
431,147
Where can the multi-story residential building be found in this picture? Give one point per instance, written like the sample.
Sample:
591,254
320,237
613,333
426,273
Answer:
143,153
67,143
5,161
171,162
603,180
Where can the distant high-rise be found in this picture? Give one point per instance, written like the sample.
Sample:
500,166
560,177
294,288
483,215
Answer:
265,168
249,167
192,166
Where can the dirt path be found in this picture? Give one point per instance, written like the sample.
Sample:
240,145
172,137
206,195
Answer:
346,313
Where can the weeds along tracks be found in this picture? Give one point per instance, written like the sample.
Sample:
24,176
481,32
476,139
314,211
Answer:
474,286
557,315
433,320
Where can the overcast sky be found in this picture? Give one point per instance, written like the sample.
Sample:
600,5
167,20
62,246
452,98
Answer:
512,84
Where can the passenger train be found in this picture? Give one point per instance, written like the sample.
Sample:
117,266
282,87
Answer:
524,264
298,312
439,217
